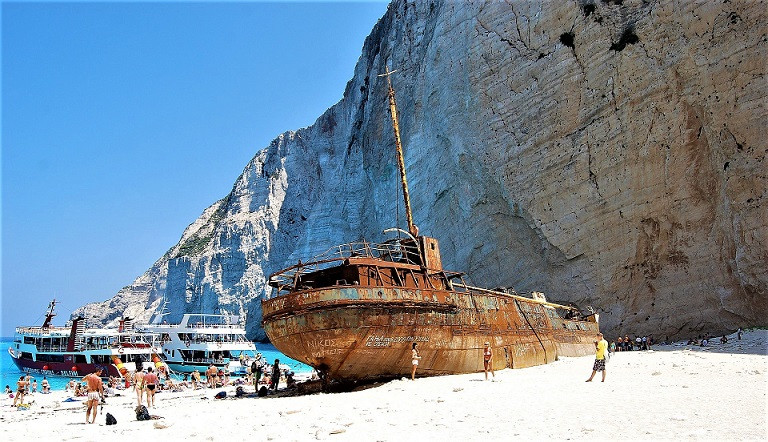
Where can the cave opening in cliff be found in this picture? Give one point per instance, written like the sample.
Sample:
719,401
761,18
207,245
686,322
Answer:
566,38
628,37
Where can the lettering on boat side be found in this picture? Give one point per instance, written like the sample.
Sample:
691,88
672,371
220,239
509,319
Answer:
321,343
327,352
386,341
325,347
50,372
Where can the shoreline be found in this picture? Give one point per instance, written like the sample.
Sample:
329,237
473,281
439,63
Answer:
668,392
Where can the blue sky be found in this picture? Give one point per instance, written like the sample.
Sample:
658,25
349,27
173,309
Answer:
122,122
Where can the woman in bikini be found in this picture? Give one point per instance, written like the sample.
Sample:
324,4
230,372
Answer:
21,389
488,360
138,385
414,360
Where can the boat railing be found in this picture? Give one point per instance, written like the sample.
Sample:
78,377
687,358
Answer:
198,340
393,250
197,325
206,360
43,343
39,331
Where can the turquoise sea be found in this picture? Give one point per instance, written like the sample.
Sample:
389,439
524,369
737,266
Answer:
9,373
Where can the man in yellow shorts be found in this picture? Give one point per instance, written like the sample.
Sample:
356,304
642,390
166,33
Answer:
601,348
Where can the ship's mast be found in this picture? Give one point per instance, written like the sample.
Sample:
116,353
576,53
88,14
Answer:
400,161
49,315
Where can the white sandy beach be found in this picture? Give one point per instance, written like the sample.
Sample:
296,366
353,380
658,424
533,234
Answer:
671,392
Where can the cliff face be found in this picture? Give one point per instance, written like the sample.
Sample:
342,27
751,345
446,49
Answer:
609,153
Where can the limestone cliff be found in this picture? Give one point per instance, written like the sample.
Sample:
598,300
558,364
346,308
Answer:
604,152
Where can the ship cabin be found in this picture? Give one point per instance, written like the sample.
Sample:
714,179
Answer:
408,263
75,343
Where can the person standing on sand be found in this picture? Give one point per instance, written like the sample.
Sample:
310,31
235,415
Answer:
150,384
488,360
95,392
138,385
275,379
210,376
195,379
257,369
414,361
601,346
21,389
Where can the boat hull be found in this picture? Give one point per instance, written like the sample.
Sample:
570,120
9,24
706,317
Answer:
356,333
63,368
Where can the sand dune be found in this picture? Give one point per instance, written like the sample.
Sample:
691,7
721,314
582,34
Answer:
671,392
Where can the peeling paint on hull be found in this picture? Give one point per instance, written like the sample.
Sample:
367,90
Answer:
356,333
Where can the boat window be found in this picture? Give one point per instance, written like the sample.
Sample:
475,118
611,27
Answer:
101,359
80,359
50,358
25,355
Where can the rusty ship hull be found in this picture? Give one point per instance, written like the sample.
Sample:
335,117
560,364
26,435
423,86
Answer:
363,323
354,312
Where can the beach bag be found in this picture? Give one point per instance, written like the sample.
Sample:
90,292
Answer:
221,395
142,414
239,392
111,419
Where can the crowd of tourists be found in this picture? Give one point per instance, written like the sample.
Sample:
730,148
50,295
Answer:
627,344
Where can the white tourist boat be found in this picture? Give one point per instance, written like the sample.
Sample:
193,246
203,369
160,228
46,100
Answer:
201,340
77,350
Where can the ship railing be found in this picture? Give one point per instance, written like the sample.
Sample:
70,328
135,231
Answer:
513,295
206,360
238,339
199,325
393,250
42,331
